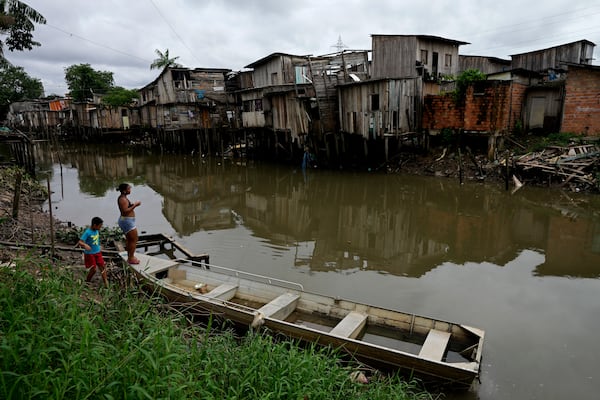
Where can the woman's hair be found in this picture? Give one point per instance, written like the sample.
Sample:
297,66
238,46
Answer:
122,187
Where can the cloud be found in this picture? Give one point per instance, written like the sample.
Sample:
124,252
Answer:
121,37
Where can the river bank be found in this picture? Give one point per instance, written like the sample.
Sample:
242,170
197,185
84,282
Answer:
112,342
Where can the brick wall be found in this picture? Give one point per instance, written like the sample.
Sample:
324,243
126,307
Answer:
489,106
441,111
581,112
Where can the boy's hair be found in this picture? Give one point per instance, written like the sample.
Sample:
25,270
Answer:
97,221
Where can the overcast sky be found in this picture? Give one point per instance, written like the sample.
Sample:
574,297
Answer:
121,36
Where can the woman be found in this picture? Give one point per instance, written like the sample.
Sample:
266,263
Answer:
127,221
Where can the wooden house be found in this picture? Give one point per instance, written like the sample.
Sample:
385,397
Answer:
327,73
487,65
296,96
41,115
182,98
280,97
555,58
378,108
404,56
97,118
27,115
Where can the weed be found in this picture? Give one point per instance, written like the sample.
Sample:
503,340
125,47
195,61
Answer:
57,342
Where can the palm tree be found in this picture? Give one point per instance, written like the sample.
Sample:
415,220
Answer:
163,61
16,24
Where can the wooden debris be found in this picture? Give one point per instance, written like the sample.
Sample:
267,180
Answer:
570,165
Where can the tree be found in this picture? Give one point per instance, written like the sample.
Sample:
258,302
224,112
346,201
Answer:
464,80
163,61
118,96
83,81
16,85
16,25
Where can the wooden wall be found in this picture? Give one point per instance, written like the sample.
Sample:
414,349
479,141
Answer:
487,65
580,52
394,56
397,110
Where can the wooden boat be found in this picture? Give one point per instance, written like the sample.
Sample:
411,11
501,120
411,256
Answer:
436,350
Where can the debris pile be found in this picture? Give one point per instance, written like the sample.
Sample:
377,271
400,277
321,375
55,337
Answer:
577,166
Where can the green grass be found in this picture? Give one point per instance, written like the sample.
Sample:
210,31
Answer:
60,339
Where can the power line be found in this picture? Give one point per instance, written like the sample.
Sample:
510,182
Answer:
525,26
174,31
94,42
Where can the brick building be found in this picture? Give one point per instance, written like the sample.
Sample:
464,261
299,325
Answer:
581,110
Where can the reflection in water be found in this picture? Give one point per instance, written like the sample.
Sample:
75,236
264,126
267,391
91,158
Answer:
395,224
472,254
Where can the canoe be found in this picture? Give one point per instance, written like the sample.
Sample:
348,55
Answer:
437,351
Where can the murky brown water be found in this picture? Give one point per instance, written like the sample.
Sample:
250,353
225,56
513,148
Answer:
524,267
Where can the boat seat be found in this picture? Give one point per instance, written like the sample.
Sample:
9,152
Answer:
435,345
351,326
281,307
223,292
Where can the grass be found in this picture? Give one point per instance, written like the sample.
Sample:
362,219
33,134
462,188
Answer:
59,340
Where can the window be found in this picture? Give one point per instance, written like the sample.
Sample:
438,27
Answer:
424,57
374,102
252,105
302,74
274,78
448,60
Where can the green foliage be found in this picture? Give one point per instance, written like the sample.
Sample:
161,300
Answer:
447,136
29,186
62,339
16,85
163,61
518,129
16,24
72,235
464,80
118,96
561,139
83,81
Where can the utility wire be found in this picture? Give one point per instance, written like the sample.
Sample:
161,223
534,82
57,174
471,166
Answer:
174,31
95,43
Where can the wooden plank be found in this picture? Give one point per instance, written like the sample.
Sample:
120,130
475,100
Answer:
150,264
351,325
281,307
435,345
223,292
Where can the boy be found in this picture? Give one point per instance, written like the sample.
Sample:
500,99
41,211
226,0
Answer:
92,254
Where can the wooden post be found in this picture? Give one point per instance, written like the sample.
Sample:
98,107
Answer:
17,195
51,219
507,171
460,167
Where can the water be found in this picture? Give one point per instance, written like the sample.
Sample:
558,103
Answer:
524,267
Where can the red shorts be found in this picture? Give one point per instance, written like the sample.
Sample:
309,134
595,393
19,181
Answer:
91,260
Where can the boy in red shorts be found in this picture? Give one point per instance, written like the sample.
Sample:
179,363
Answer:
92,254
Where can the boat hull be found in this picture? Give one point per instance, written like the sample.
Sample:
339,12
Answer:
438,351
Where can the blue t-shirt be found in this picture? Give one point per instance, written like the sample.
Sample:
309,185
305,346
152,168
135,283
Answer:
91,237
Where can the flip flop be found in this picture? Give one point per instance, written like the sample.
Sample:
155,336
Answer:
134,261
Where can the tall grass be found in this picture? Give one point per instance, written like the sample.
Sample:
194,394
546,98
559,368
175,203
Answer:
60,339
